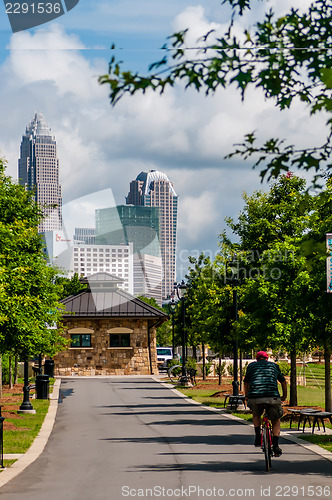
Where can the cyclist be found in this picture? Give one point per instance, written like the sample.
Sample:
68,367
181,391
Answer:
261,387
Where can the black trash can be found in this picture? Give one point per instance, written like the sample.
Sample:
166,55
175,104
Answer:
42,385
49,367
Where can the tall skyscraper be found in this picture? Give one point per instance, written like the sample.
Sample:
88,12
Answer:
38,171
154,189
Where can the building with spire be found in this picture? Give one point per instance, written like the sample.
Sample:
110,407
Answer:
38,171
154,189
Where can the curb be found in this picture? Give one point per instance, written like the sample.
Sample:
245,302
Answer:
285,435
39,442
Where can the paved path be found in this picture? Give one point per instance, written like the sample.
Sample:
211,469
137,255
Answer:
116,437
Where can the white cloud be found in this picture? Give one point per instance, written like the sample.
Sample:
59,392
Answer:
52,56
198,215
182,132
281,7
194,18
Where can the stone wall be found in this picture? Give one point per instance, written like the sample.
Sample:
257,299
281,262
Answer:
100,359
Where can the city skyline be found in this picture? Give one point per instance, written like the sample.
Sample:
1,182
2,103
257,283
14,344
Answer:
182,133
147,229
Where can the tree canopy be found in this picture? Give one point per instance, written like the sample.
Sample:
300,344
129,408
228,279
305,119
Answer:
30,314
289,58
278,269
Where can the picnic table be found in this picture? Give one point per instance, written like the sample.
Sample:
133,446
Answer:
305,414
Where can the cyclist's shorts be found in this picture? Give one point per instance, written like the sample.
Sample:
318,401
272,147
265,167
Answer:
274,410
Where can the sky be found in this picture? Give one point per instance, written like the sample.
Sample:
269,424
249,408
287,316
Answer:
54,69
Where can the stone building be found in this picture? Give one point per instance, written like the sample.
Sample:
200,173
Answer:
111,332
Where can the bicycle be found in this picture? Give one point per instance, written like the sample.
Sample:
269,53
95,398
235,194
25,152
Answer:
266,439
175,374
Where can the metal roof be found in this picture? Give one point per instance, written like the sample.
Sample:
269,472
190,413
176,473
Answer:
104,299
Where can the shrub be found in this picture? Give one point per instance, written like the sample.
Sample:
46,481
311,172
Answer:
222,368
285,368
174,362
244,368
208,367
191,363
230,369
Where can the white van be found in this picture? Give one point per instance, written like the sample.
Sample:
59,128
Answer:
163,355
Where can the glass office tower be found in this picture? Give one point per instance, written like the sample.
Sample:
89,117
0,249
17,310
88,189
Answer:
124,224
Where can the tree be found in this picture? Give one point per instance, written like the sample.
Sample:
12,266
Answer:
164,332
314,246
30,314
210,307
286,57
199,298
69,286
277,281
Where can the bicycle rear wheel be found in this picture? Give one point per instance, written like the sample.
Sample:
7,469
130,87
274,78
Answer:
267,448
174,373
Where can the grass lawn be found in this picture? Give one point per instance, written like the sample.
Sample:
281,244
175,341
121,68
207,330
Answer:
20,430
324,441
8,463
315,374
24,428
307,396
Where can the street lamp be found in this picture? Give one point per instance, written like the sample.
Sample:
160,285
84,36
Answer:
234,281
26,406
1,440
180,289
172,308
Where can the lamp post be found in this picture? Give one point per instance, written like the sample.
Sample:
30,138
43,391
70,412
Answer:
1,440
235,382
26,406
172,308
180,292
235,282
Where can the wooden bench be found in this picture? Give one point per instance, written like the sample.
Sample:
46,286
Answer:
305,415
234,401
297,412
321,415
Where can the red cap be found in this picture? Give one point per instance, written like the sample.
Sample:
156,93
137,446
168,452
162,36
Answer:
262,355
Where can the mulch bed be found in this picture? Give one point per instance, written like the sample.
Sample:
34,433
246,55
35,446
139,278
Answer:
10,403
